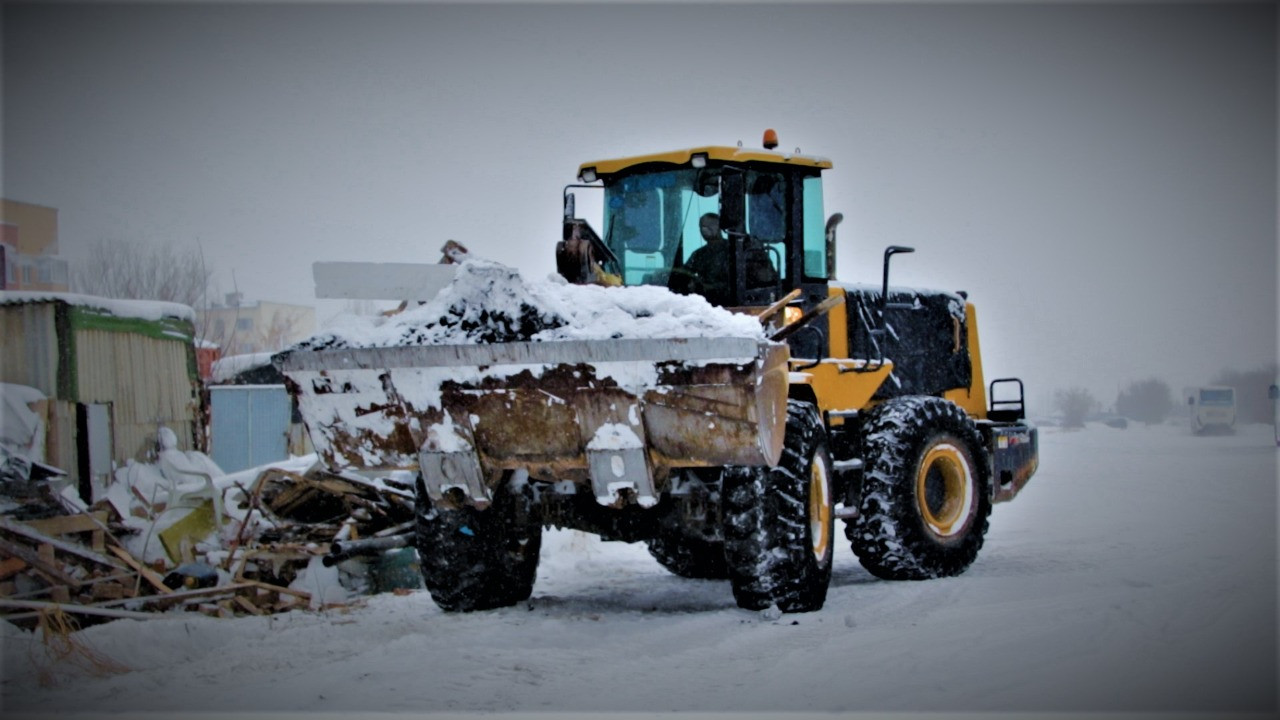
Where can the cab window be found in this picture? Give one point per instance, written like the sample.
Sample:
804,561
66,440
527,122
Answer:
651,220
767,217
815,231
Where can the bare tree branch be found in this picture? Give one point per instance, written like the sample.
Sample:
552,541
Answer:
134,270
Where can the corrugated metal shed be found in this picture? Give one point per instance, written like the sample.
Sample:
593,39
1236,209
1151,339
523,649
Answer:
29,346
137,359
146,380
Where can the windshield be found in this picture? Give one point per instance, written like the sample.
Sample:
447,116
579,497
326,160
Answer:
658,223
651,220
1217,397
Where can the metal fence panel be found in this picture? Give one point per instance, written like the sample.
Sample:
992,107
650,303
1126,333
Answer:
250,425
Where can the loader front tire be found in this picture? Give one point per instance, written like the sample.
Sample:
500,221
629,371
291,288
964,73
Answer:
778,521
926,491
475,559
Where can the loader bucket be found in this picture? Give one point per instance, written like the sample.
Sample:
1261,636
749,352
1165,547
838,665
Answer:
614,415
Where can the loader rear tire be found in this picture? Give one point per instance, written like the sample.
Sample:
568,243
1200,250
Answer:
926,491
778,521
480,559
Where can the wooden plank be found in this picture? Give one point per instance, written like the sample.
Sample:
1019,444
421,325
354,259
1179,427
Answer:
382,490
32,558
11,566
277,588
77,609
108,591
289,499
175,597
65,524
147,573
111,578
18,528
186,597
146,504
277,555
85,584
244,604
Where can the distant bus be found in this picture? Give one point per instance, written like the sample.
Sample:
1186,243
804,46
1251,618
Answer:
1212,408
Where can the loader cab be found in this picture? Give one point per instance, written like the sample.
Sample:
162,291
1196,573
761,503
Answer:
771,237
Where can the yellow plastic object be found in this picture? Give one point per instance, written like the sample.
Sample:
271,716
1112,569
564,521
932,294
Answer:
194,527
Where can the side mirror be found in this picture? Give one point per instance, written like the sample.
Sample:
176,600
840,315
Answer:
832,222
707,183
1273,392
1191,400
569,211
733,201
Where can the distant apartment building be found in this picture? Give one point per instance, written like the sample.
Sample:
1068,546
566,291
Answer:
240,328
29,249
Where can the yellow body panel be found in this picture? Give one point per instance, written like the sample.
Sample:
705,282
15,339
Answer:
713,152
837,388
834,384
973,398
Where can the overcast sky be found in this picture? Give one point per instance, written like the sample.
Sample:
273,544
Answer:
1101,179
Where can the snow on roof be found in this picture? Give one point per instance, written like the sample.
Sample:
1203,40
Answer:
141,309
228,367
489,302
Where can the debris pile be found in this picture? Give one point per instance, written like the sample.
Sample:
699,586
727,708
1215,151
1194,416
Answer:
267,544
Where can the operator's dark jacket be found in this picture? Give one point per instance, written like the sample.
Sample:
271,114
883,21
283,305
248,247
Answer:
709,271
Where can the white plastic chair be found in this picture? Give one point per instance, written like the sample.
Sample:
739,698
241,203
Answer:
176,467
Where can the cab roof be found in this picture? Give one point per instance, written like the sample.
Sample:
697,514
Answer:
714,153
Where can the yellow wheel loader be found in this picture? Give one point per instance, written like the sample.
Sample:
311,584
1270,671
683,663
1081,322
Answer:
731,457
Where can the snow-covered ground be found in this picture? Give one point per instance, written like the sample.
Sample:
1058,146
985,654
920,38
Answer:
1137,572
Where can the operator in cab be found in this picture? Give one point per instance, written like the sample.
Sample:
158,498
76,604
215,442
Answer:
709,270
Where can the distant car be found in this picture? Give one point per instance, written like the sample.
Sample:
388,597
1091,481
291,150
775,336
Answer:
1108,418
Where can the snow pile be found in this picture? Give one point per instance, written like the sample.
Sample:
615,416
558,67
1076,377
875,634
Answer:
491,303
227,368
21,429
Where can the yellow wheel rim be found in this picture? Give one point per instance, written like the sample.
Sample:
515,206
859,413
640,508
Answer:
944,489
819,508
